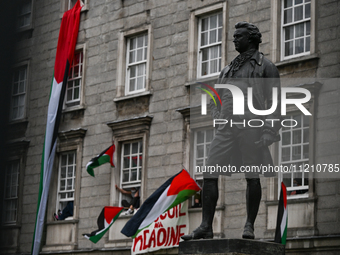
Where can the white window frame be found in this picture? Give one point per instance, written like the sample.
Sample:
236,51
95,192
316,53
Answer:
121,82
62,202
19,94
193,40
136,64
303,21
209,46
199,176
66,5
302,160
77,103
13,198
135,183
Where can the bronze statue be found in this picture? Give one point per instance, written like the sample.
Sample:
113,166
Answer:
240,144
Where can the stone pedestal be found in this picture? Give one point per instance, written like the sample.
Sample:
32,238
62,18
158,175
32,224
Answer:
230,247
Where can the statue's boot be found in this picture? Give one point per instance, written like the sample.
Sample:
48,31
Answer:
253,198
209,201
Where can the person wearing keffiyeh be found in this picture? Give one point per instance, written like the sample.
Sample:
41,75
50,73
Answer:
240,145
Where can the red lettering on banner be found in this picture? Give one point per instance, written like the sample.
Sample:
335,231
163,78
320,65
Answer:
137,239
163,216
167,240
161,231
158,225
171,213
146,231
180,213
174,235
152,239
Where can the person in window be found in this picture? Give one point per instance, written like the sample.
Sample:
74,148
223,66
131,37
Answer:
298,182
134,203
197,200
66,212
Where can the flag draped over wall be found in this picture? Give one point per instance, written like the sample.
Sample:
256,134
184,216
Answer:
282,217
173,192
106,218
65,51
104,157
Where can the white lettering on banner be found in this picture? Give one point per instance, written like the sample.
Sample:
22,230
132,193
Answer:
164,233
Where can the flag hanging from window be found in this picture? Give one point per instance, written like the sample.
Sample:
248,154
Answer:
106,218
105,156
282,217
65,51
173,192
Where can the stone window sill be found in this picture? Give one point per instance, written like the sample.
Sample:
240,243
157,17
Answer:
145,93
293,61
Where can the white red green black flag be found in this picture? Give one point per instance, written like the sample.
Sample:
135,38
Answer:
105,156
282,217
173,192
65,51
106,218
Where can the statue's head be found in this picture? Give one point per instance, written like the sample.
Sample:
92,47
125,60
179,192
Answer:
246,36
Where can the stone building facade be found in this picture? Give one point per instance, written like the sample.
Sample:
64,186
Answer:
136,67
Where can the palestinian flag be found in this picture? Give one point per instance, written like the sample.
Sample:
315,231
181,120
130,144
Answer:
105,157
105,220
173,192
65,51
282,217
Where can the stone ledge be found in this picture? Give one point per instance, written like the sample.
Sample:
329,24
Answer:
230,247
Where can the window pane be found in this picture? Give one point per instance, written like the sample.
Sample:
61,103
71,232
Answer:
140,42
204,68
205,24
213,36
133,175
213,66
220,19
213,21
306,151
200,151
298,13
307,11
308,44
133,43
298,1
132,56
285,154
200,137
296,153
288,3
285,138
305,135
134,147
125,176
299,46
296,136
205,54
288,14
308,28
289,48
140,83
219,37
139,54
204,38
126,149
126,161
289,32
299,30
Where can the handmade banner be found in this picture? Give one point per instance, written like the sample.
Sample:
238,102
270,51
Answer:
165,232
